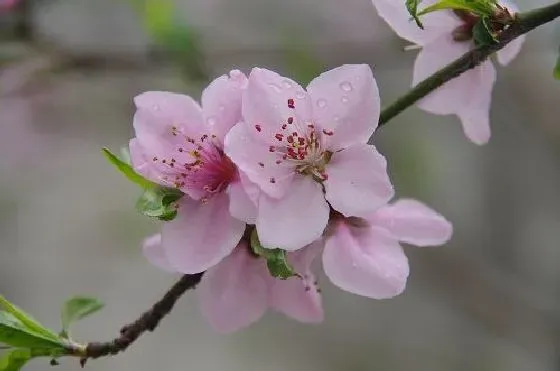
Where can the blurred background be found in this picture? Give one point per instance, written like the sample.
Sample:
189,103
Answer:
489,300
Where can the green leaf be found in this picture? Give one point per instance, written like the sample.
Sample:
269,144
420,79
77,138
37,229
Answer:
127,170
556,71
14,333
276,259
159,202
15,359
482,33
76,309
26,319
412,7
483,8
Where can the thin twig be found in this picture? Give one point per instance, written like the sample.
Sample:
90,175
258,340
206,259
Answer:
147,322
524,23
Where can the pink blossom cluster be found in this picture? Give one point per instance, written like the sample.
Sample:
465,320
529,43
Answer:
263,153
8,4
446,36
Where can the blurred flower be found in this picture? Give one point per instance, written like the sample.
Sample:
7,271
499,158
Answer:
179,144
8,4
237,291
447,35
304,148
363,256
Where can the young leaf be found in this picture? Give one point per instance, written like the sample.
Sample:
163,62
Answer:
276,259
482,33
412,7
76,309
127,170
14,333
483,8
15,359
26,319
557,69
159,202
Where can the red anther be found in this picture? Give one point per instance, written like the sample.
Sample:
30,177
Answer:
271,149
294,134
325,176
291,103
290,139
279,136
278,162
180,149
261,164
272,180
327,132
311,126
258,127
301,141
290,120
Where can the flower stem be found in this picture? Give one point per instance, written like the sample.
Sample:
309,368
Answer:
524,23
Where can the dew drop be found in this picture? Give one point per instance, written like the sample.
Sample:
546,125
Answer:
275,87
321,103
211,121
156,107
346,86
344,99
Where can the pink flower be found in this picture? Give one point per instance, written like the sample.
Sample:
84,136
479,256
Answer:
363,256
179,144
237,292
300,147
447,36
8,4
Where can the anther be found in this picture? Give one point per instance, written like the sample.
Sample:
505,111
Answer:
258,127
291,103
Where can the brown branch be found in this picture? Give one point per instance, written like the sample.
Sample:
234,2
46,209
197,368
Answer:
524,23
146,322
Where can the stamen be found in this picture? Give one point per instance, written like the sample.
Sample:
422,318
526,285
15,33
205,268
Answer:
258,127
291,103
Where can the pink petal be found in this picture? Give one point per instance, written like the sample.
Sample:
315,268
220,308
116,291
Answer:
297,219
299,298
221,102
153,251
358,182
468,96
449,98
257,162
142,164
413,222
510,51
475,115
158,112
346,101
365,261
266,106
233,294
394,12
240,204
201,235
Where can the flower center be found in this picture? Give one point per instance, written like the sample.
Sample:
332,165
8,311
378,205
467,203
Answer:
300,145
197,165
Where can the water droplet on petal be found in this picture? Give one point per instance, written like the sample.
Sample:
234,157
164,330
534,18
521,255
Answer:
287,84
336,118
211,121
275,87
346,86
321,103
222,108
344,99
156,107
300,94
